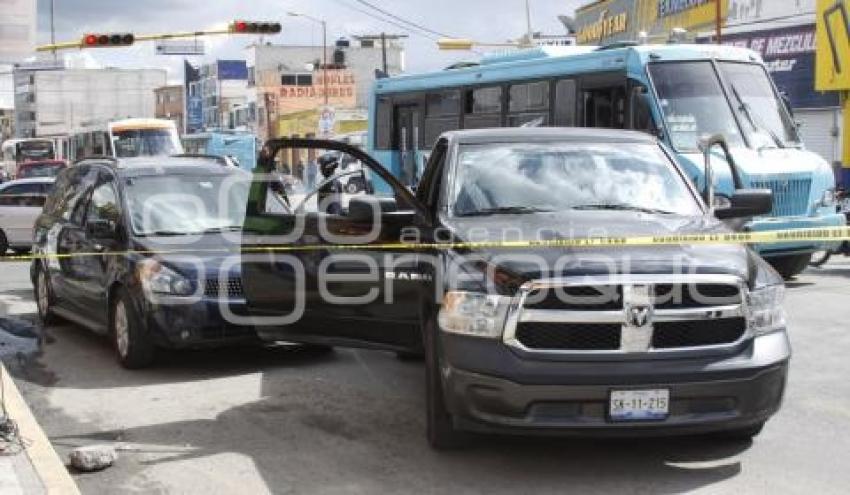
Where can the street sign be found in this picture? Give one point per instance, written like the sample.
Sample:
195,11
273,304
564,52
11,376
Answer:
180,47
327,121
833,45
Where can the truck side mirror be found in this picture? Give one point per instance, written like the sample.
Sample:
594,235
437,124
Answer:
746,203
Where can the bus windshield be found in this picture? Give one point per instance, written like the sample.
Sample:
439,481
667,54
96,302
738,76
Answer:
765,120
34,151
131,143
693,104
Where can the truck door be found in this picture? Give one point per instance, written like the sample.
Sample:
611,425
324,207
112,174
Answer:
331,276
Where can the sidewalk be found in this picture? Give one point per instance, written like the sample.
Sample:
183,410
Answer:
34,467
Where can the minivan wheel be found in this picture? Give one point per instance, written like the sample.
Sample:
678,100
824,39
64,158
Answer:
440,426
133,347
44,299
790,266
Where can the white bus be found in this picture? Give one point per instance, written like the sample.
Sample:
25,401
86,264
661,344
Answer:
127,139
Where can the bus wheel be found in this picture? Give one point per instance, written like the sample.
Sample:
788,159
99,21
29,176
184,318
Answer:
790,266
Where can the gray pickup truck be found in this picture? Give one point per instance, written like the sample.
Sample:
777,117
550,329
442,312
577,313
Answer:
536,338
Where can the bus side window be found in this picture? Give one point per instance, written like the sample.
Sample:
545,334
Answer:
442,113
384,124
482,108
565,103
529,104
605,107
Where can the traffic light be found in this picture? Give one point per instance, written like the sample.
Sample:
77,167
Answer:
252,27
107,40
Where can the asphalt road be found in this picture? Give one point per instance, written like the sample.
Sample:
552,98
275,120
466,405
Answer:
286,421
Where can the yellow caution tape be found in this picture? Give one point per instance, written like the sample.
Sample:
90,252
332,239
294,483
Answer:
826,234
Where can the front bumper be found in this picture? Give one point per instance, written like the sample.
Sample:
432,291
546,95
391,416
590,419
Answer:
786,248
201,323
489,388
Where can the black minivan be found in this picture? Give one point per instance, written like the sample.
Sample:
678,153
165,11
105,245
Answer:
135,249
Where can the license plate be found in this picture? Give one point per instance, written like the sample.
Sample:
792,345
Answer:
639,405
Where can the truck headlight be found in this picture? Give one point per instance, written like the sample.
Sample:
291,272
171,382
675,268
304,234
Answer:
472,313
765,311
160,279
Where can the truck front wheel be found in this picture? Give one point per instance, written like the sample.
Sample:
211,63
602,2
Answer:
790,266
441,431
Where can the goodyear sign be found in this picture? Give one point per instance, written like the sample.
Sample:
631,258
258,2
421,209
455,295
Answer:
833,45
615,20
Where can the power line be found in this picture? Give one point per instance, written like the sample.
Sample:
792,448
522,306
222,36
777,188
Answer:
403,20
373,15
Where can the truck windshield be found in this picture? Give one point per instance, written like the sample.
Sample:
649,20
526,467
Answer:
765,119
538,177
144,142
693,104
175,205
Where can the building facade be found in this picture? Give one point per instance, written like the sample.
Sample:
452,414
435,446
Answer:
170,104
288,85
222,86
59,101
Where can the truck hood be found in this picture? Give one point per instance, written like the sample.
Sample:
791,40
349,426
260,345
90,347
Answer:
520,265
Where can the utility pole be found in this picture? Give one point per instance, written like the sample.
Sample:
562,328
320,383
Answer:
529,31
384,51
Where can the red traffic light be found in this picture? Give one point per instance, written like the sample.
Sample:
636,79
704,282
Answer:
108,40
251,27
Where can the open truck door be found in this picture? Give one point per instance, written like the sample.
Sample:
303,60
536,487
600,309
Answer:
315,259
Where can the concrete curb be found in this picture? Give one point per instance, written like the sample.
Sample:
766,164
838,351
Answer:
46,462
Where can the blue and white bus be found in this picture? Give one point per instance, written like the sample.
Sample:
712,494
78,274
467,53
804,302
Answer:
681,93
241,147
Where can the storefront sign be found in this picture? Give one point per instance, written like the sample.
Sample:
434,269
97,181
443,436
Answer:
604,27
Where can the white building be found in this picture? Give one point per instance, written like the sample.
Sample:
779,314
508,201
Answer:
58,101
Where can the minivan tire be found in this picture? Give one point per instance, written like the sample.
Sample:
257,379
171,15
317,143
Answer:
133,346
441,432
791,265
44,301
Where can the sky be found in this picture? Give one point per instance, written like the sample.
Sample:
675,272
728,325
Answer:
481,20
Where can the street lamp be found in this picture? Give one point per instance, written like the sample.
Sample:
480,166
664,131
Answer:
324,46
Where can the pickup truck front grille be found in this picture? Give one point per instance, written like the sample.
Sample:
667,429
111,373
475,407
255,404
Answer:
648,313
573,336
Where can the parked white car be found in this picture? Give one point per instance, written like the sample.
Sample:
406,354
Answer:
21,202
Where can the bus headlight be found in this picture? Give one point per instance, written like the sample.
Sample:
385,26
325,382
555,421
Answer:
765,311
475,314
828,199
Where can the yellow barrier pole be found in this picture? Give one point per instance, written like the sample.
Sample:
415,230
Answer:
844,180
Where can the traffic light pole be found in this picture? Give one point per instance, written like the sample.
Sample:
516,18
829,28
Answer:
142,37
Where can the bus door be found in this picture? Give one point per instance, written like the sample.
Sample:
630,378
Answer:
603,101
407,141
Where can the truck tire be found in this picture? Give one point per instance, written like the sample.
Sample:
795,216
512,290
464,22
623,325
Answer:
133,346
819,258
440,425
44,298
790,266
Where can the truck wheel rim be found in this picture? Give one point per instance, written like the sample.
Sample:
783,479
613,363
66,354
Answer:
122,334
